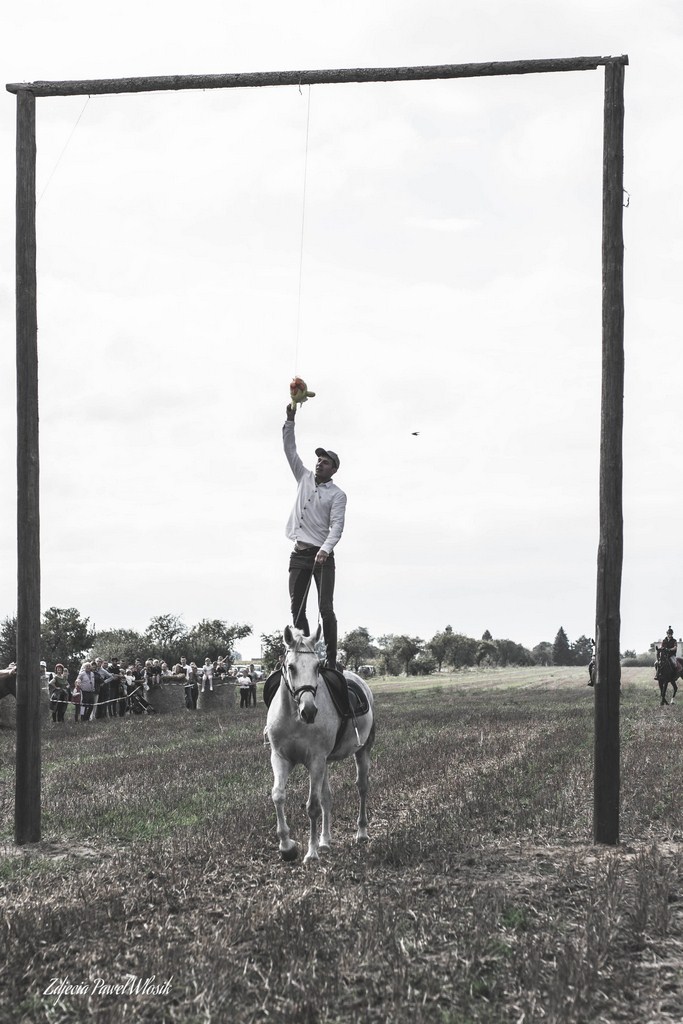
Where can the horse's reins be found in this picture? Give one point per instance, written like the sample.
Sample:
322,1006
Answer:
308,587
296,692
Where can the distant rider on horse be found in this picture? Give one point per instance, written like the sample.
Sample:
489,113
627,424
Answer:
669,646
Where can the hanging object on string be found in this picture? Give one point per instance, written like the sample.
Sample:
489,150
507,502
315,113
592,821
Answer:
298,389
299,393
301,240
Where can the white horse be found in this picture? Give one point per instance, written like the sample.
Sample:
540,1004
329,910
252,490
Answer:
303,727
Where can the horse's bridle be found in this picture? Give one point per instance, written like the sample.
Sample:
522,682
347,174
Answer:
296,692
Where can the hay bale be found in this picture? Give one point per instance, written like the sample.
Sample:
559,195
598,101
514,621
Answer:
221,698
168,697
8,709
8,712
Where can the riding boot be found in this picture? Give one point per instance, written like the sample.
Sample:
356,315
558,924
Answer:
330,635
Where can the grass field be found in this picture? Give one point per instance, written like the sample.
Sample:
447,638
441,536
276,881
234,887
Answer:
479,899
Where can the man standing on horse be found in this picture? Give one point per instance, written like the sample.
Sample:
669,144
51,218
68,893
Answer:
315,525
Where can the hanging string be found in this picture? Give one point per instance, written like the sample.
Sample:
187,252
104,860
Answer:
59,158
303,223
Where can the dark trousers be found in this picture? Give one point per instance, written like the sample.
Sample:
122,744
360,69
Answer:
102,701
302,565
114,698
88,698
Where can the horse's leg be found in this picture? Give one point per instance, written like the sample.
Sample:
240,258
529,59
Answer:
673,683
281,769
362,773
326,799
317,772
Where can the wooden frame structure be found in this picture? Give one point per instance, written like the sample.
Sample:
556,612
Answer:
610,548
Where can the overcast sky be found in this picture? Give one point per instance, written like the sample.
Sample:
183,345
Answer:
449,284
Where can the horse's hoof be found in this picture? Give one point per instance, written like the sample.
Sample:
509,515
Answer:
311,858
290,854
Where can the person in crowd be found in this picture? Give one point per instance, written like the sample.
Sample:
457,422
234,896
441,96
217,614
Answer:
45,676
116,705
104,678
86,683
61,676
59,694
207,674
222,668
191,685
76,701
154,673
251,672
244,685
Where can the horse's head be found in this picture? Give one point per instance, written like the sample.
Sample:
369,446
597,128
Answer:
301,671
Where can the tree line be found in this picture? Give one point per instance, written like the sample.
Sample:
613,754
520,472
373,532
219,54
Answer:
69,638
410,655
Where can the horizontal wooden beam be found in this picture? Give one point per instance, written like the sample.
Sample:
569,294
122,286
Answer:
102,86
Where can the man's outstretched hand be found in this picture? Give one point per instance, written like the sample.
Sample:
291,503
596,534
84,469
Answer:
291,412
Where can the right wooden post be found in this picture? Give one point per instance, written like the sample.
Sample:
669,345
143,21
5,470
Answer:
611,541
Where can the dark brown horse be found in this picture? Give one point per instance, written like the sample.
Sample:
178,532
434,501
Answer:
666,673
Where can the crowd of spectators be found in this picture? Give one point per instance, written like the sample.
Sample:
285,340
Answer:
107,689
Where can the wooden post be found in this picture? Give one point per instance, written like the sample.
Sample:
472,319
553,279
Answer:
245,80
27,796
610,548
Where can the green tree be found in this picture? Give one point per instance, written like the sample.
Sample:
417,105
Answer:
510,653
272,649
423,664
487,652
164,638
212,638
398,652
124,644
562,654
441,647
582,651
8,641
463,650
65,637
357,647
543,653
486,636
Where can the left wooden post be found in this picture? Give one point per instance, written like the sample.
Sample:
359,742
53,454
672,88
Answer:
27,792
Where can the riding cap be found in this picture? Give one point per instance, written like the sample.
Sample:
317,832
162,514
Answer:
332,456
669,630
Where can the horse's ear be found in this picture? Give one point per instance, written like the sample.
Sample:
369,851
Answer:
318,632
289,639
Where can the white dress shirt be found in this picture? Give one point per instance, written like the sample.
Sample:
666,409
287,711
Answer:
317,519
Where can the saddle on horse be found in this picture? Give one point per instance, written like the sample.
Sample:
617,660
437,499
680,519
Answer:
347,695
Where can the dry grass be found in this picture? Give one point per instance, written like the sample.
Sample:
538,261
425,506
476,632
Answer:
480,897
